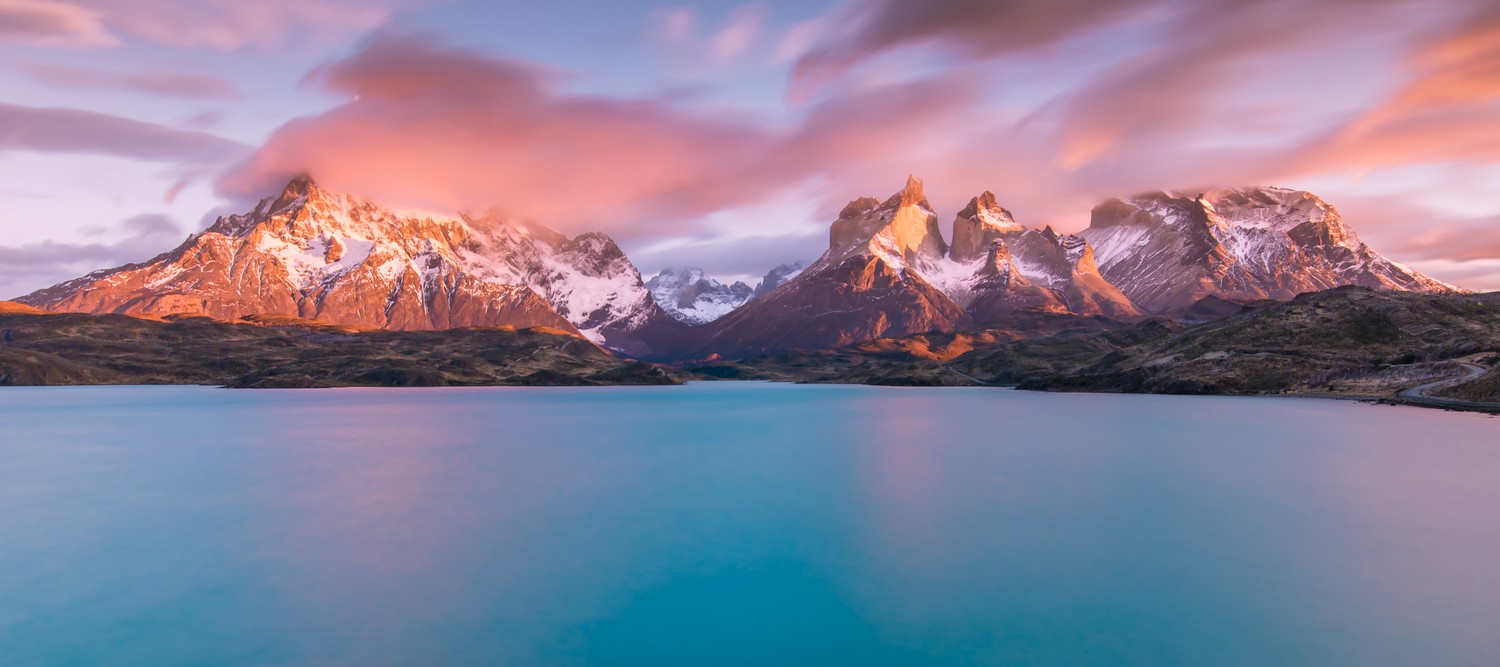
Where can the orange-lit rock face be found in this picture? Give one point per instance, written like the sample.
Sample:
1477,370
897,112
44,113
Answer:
939,348
978,226
317,256
327,257
903,229
11,307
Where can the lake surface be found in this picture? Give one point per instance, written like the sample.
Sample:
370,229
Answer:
741,524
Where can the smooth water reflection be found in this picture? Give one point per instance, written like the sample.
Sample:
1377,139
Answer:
741,524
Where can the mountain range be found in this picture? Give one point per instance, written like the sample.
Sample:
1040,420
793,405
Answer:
333,258
691,296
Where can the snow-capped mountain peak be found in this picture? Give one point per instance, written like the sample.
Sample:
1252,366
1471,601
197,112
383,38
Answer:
1169,250
321,255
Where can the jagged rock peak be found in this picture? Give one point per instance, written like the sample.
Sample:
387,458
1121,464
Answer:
987,209
911,195
859,207
903,230
997,260
301,184
978,225
299,191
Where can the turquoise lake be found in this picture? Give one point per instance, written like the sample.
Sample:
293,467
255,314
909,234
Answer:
741,524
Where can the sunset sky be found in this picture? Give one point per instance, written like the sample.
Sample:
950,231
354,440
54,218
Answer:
727,135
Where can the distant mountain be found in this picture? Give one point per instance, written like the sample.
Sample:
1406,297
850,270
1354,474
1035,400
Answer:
1168,251
339,259
691,296
777,277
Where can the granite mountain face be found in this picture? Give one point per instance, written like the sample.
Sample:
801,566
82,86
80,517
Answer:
888,272
334,258
1169,251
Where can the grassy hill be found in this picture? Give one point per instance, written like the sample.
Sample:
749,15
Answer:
45,349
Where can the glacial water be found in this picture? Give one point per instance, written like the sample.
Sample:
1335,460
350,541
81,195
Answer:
741,524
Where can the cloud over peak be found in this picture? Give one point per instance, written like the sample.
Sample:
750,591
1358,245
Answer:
53,23
432,126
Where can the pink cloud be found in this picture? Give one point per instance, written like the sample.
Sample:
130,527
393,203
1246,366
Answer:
1150,111
1419,233
433,127
694,46
739,32
216,24
172,84
53,23
863,29
231,24
76,131
1449,110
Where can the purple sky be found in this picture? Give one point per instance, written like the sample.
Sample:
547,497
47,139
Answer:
727,135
